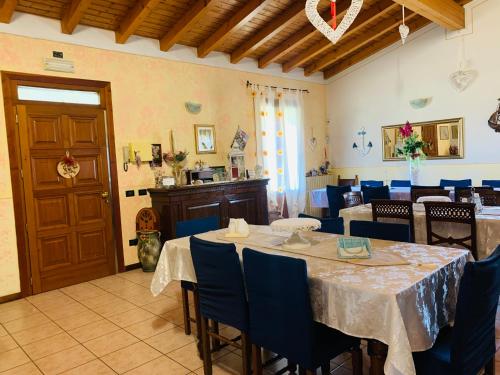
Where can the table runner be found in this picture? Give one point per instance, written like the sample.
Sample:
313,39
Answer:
401,306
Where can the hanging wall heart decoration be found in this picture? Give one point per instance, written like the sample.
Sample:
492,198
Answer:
332,33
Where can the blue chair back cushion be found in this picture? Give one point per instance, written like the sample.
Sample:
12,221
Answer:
196,226
400,183
492,183
455,183
329,225
370,193
372,183
220,283
380,231
335,196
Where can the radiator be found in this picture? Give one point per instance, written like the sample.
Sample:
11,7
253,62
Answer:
313,183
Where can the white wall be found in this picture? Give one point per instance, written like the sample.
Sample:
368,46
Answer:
377,93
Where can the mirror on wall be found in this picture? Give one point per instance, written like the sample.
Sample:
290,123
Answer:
445,139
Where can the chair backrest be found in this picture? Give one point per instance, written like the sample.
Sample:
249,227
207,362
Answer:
335,198
370,193
333,225
372,183
463,213
473,335
433,198
380,231
400,183
455,183
492,183
487,194
220,283
196,226
348,181
417,187
394,209
352,199
421,192
281,317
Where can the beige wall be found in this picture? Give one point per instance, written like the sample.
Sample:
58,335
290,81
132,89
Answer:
148,101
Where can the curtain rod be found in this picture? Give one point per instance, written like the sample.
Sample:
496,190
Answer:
275,87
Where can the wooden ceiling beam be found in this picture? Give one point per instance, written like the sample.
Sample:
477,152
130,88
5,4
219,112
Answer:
73,15
269,31
446,13
134,18
377,10
240,18
346,49
185,23
391,38
7,8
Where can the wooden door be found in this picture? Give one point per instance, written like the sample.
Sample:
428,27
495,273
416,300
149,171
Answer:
429,135
69,221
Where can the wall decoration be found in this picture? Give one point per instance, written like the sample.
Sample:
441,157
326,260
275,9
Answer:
313,141
420,103
454,132
464,76
205,139
365,148
240,138
494,121
157,155
444,134
404,30
193,108
68,167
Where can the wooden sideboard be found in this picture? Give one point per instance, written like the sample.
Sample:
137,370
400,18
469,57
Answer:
236,199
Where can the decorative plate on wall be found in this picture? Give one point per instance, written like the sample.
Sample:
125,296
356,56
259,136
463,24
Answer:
193,108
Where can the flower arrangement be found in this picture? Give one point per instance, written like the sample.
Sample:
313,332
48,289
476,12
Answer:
412,144
68,167
176,160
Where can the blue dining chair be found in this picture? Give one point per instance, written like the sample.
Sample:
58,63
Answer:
401,183
372,183
492,183
470,345
328,224
281,318
335,196
185,229
222,296
380,231
370,193
455,183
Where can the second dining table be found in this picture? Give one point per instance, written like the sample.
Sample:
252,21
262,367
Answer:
401,297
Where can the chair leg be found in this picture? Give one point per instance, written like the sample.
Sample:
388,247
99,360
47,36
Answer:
489,369
205,343
357,361
198,321
325,369
378,354
215,341
256,360
246,354
185,311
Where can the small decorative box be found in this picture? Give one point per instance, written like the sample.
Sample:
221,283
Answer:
353,248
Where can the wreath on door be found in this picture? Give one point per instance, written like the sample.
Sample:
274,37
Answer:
68,167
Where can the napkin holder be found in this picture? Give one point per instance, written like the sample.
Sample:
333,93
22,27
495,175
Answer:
353,248
238,228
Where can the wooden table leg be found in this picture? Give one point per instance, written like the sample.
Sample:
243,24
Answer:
198,321
378,353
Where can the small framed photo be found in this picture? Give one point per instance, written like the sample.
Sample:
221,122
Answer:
454,132
156,154
205,139
444,133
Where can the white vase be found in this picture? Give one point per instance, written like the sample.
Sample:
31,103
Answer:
414,171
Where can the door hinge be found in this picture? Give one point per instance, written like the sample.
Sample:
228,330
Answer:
31,281
17,119
26,227
22,174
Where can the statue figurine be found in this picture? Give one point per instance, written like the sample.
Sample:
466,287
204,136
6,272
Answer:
494,121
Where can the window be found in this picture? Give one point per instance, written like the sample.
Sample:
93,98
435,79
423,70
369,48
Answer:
43,94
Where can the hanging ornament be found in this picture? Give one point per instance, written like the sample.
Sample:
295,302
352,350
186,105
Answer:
463,77
68,167
333,11
334,32
404,30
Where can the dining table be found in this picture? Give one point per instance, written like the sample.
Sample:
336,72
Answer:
400,297
487,225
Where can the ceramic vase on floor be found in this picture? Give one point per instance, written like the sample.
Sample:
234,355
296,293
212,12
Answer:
148,249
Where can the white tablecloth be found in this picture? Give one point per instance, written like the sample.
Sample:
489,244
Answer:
487,224
403,306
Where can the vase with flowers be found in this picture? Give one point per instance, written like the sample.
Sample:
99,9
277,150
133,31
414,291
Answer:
177,160
412,150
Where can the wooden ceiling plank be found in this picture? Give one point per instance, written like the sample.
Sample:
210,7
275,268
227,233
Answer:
270,30
7,10
237,20
344,50
446,13
377,10
391,38
176,32
134,18
73,15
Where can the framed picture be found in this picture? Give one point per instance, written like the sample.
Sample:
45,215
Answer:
156,153
205,139
444,133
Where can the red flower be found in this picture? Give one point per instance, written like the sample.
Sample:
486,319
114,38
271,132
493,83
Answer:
68,160
415,155
406,131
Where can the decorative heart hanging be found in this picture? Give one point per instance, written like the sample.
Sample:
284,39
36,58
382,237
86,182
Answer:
404,30
330,33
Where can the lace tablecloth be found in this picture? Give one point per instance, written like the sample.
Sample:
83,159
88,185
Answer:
487,224
402,306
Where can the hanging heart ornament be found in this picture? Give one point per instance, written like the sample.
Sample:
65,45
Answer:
332,34
404,30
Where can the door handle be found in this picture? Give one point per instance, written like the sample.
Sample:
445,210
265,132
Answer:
105,195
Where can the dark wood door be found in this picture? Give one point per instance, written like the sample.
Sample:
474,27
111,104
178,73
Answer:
69,220
243,207
429,135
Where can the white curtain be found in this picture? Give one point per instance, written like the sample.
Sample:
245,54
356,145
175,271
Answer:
280,147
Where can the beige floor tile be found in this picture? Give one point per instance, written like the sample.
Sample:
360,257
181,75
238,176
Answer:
3,331
188,356
160,366
163,306
113,283
19,303
173,290
114,308
64,360
95,367
176,316
51,300
83,291
169,341
93,330
16,310
78,320
145,298
227,365
26,369
149,327
37,319
30,335
130,317
12,358
49,346
65,311
110,342
140,278
130,357
103,299
7,343
131,290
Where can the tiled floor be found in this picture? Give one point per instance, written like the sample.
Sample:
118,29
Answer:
112,325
